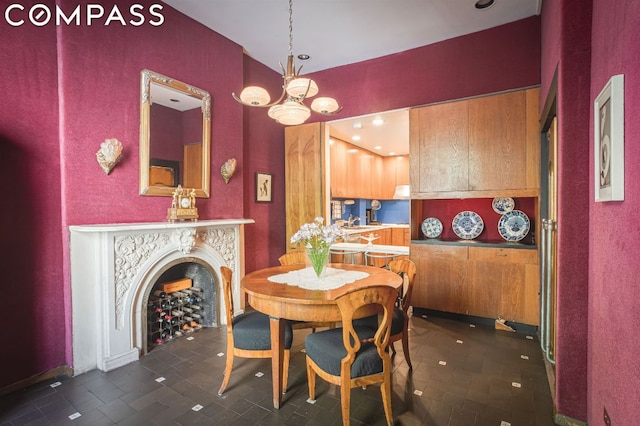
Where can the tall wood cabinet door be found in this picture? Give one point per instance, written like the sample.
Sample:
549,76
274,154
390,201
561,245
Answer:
438,148
402,169
338,168
366,167
498,142
192,166
305,191
441,281
353,173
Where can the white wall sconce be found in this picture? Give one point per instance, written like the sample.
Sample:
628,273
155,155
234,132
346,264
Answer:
228,168
109,154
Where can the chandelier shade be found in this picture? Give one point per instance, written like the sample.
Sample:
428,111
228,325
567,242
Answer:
302,88
290,113
295,89
255,96
325,105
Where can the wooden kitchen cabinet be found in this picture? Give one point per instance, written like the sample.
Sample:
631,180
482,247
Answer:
400,236
339,157
487,144
442,282
478,281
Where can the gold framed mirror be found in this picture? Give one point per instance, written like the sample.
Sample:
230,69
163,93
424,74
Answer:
175,136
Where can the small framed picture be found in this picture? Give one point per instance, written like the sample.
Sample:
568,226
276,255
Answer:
263,187
608,139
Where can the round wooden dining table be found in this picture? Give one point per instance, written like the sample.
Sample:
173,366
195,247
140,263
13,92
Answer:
290,302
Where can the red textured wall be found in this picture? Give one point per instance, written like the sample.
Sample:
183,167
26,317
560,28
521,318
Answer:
614,305
566,38
31,248
498,59
49,160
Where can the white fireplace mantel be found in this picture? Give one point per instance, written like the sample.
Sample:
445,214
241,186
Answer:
113,267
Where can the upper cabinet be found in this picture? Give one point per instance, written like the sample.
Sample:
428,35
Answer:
358,173
476,147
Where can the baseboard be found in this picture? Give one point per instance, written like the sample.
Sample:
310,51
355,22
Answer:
64,370
562,420
489,322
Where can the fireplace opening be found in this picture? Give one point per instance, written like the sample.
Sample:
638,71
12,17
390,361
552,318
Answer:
181,301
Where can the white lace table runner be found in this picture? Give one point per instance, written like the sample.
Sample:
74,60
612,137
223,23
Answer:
306,278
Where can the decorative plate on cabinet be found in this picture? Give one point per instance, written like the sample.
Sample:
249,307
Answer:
431,227
467,225
503,205
514,225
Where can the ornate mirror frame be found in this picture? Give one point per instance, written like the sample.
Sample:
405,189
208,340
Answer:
171,167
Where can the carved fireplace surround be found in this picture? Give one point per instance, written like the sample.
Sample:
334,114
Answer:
114,267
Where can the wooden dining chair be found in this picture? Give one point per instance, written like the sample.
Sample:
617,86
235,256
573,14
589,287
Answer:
299,258
379,260
292,258
249,335
352,357
400,321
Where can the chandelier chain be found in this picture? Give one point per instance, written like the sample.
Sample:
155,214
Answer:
290,27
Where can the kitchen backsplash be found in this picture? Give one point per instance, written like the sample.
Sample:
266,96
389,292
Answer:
391,211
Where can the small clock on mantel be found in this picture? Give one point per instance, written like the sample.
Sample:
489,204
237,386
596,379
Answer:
183,205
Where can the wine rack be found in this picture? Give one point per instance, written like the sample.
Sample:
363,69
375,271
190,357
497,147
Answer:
173,314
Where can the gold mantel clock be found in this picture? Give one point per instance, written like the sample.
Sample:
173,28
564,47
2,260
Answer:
183,205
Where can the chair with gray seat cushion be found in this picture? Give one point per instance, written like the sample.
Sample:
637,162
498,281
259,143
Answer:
249,334
352,357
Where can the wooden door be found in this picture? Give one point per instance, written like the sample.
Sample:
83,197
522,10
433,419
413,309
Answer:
438,149
305,187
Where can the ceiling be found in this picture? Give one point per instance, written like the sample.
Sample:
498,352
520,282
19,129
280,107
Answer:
340,32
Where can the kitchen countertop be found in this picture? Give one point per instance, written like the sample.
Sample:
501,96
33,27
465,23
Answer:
371,228
376,248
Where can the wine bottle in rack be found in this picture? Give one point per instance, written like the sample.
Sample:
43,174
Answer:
159,294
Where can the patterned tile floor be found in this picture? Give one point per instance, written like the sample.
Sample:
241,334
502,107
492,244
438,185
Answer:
463,374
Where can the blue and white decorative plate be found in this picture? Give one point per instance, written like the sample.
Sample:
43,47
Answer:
503,205
431,227
514,225
467,225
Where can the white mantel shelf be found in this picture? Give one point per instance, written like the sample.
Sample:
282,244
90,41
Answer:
114,267
120,227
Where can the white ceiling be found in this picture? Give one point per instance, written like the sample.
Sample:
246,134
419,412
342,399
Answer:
341,32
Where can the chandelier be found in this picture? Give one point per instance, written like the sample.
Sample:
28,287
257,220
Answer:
290,109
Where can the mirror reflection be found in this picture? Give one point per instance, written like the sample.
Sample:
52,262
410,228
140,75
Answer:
175,136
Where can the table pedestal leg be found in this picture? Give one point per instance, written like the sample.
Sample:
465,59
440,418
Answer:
277,348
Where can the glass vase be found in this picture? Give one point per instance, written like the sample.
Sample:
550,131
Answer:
317,258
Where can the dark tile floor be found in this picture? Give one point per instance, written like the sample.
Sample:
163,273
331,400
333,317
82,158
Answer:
463,375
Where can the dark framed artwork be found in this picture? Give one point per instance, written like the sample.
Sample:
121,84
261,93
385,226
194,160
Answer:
608,139
264,186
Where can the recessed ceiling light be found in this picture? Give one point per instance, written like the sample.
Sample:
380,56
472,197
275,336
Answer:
392,153
377,147
357,125
484,4
378,121
304,57
355,137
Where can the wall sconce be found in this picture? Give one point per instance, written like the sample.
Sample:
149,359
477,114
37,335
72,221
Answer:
109,154
228,168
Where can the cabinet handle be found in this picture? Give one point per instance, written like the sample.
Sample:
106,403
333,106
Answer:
501,255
